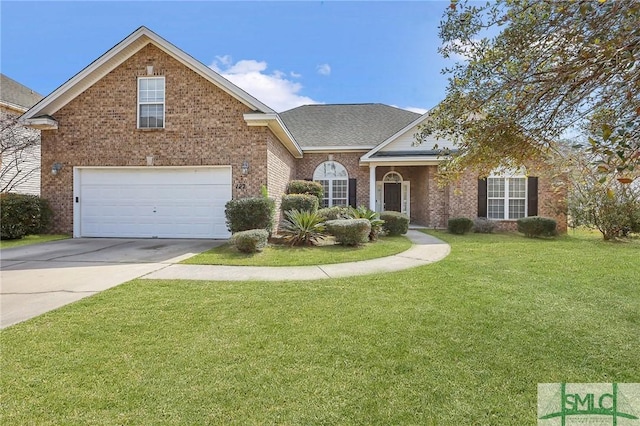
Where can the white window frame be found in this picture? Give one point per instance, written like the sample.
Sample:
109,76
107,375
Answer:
327,182
163,103
508,178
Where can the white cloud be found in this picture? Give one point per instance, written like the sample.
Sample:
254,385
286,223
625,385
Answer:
324,69
274,89
465,49
416,109
295,74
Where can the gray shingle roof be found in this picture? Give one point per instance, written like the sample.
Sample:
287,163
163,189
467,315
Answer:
350,125
15,93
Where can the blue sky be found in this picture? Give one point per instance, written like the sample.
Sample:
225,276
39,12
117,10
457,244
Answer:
284,53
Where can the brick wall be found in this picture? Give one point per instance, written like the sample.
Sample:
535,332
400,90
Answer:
350,160
204,126
282,169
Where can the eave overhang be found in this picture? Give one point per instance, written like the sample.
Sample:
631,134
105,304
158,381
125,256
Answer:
276,125
41,123
119,54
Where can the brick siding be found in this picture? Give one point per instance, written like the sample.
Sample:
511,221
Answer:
204,126
350,160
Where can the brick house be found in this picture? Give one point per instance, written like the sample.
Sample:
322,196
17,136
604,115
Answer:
148,142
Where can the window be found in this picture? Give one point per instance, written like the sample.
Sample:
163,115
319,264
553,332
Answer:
506,197
335,181
151,102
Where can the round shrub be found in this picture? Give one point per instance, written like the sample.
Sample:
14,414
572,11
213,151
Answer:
250,213
333,213
459,225
395,223
536,226
363,212
22,214
482,225
305,187
300,202
349,232
251,241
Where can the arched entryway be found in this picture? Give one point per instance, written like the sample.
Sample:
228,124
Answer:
393,193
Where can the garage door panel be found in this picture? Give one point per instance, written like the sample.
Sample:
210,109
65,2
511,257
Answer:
154,202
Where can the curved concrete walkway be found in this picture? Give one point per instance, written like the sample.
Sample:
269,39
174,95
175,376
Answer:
426,249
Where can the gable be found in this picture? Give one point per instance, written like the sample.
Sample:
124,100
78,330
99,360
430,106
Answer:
403,145
118,55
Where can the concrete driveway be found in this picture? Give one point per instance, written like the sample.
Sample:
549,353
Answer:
39,278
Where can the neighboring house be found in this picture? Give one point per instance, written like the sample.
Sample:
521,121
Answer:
149,142
20,146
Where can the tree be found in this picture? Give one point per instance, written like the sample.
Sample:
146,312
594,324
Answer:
534,72
600,201
18,150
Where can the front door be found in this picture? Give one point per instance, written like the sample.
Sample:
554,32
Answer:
393,196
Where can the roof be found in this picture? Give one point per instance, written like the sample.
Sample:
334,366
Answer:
17,95
345,125
41,116
120,53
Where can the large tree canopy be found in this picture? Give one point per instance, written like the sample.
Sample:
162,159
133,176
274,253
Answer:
530,73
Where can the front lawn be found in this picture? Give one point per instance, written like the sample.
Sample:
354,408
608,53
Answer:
463,341
283,255
31,239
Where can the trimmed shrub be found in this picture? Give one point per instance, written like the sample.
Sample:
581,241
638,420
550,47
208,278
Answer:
364,212
305,187
300,202
22,214
482,225
302,228
459,225
395,223
536,226
251,241
333,213
350,232
250,213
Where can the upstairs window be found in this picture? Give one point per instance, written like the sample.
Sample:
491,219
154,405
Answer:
151,102
335,181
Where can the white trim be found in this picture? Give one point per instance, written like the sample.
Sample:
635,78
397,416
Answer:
506,197
164,99
40,123
372,187
393,137
405,161
329,149
405,194
277,126
120,53
329,193
14,107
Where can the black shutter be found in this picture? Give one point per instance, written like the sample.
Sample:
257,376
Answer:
352,192
482,198
532,196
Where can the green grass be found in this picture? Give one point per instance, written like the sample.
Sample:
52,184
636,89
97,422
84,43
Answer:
282,255
462,341
31,239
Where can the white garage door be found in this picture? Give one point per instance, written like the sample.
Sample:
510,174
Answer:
185,202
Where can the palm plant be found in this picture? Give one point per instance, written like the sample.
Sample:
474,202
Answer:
364,212
303,228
